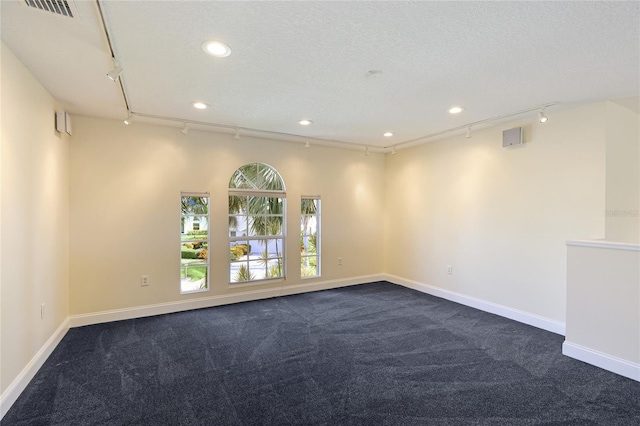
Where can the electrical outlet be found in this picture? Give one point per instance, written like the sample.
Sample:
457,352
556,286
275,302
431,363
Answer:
42,311
144,280
449,270
339,261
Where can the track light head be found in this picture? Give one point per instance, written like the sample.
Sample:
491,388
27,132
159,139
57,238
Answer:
237,135
366,151
542,117
468,135
114,74
307,145
129,119
393,150
185,129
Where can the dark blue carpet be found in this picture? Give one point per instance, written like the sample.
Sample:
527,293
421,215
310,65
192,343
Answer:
373,354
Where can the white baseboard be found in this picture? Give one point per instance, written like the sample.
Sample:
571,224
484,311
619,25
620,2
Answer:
20,383
483,305
599,359
207,302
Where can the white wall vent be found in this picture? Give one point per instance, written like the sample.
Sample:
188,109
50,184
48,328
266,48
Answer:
512,137
63,122
58,7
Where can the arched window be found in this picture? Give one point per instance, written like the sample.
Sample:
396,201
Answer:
257,199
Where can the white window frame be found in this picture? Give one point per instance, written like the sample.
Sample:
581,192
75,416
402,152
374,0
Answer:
318,236
207,261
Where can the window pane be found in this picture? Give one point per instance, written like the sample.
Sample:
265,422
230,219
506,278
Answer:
256,206
265,268
274,206
237,225
258,226
309,224
239,272
193,275
276,269
274,247
309,206
309,266
195,205
274,225
239,250
237,204
194,250
306,246
257,269
268,178
241,179
194,228
237,216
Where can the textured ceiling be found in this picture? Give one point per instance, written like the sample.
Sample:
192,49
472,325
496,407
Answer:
311,59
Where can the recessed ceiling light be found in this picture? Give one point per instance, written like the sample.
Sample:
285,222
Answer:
305,122
388,134
200,105
216,48
456,110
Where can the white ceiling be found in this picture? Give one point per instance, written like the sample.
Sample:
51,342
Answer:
310,59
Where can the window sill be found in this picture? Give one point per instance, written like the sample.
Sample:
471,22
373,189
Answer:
256,282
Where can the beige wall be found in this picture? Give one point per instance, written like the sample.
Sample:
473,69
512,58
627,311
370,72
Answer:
623,172
125,211
34,219
603,300
499,216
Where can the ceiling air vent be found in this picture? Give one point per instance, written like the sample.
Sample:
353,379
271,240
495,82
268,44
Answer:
58,7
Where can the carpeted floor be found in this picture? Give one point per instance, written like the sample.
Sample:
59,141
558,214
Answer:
373,354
